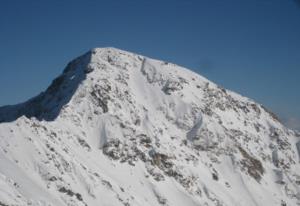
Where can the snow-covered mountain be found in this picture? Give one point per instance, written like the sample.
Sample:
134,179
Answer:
117,128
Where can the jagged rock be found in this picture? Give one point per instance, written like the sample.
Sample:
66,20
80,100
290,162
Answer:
253,166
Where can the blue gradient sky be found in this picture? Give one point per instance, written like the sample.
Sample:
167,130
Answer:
249,46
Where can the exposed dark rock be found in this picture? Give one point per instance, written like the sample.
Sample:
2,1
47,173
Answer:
252,165
84,144
256,109
215,176
70,193
88,69
145,140
112,149
107,184
3,204
52,179
100,95
172,86
160,160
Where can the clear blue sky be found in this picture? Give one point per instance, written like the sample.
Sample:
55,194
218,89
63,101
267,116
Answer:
249,46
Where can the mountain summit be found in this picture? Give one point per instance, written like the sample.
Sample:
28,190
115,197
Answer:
117,128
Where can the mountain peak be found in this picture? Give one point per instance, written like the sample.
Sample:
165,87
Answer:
119,128
107,49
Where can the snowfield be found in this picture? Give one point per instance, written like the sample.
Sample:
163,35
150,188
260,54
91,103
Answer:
117,128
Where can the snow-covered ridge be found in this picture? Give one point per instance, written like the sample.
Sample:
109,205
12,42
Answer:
118,128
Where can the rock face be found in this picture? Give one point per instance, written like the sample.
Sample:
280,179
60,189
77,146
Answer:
117,128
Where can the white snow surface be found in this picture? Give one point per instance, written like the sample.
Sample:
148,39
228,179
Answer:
117,128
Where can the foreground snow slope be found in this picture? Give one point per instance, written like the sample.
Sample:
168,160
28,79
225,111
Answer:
117,128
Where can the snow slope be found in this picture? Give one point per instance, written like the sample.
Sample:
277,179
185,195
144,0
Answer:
117,128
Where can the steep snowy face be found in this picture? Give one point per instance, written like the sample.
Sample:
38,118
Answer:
117,128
